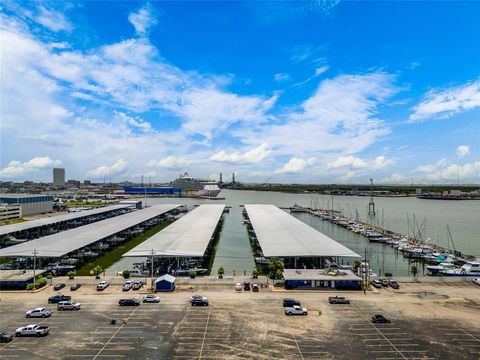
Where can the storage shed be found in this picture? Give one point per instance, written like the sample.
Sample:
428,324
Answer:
165,283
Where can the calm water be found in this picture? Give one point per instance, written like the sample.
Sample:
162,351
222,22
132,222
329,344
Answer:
233,251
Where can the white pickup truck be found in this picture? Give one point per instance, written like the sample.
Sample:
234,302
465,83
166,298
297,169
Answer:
32,330
295,310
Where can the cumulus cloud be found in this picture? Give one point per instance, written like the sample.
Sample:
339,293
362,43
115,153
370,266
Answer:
118,168
444,171
338,117
343,161
16,169
395,178
381,162
171,162
347,177
254,156
143,19
444,103
295,165
463,150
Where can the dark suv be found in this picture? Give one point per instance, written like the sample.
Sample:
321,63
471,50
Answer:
198,300
290,302
57,298
5,337
380,319
246,286
129,302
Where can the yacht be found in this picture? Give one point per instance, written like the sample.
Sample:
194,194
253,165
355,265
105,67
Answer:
471,268
196,187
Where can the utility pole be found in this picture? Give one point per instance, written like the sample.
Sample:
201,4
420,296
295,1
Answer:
34,263
371,204
151,265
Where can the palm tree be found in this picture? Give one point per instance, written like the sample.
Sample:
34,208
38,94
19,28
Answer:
220,272
275,269
414,270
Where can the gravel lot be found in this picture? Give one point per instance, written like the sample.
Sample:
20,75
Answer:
429,321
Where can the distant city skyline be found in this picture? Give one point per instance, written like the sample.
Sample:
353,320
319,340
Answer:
287,92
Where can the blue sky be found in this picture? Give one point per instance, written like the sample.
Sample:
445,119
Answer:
312,92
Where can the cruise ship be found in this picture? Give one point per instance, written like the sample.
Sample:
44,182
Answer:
196,187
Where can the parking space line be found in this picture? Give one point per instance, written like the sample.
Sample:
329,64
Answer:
298,347
116,332
474,337
362,315
205,334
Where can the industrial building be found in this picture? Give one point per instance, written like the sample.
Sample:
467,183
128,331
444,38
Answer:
58,177
30,204
147,190
340,279
17,279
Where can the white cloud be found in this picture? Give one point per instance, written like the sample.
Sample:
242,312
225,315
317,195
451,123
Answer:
171,162
143,19
295,165
338,117
118,168
281,77
135,122
463,150
444,171
343,161
52,19
381,162
428,168
318,71
17,169
254,156
395,178
347,177
444,103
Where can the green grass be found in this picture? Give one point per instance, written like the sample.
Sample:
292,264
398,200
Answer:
12,221
111,257
85,203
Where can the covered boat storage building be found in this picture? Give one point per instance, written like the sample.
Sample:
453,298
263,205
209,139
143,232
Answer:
46,226
187,238
282,236
70,243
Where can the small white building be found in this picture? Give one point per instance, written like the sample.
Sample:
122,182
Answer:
10,211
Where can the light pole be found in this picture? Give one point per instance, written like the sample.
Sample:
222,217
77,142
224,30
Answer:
151,265
34,265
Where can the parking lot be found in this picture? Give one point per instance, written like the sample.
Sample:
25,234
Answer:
434,321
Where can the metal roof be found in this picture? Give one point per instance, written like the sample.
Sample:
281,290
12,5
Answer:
282,235
187,237
64,242
7,229
319,274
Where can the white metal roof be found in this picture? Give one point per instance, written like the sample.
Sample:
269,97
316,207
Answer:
167,277
64,242
282,235
7,229
319,274
186,237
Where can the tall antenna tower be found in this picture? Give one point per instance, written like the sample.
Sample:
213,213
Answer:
371,204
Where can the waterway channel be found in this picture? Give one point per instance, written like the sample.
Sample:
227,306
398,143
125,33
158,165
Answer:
233,250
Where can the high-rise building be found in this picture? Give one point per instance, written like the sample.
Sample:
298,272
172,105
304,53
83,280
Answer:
58,177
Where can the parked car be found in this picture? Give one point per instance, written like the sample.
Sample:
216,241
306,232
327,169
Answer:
384,282
255,288
380,319
32,330
137,285
58,286
246,286
393,284
151,298
129,302
238,286
57,298
295,310
102,285
338,300
38,312
290,302
68,305
127,286
5,337
198,300
376,283
75,286
476,281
